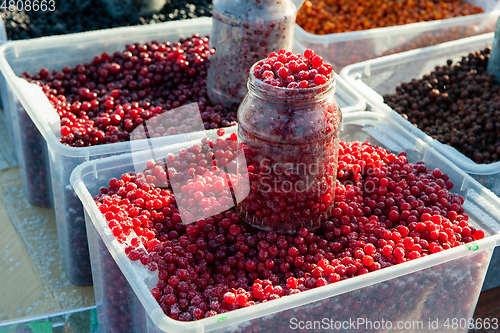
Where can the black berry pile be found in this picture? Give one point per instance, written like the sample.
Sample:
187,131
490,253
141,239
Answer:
457,104
73,16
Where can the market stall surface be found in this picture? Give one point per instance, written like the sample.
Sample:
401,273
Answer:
31,275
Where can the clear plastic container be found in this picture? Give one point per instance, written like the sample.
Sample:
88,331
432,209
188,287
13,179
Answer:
34,164
243,32
6,97
57,52
440,286
348,98
291,145
377,77
347,48
118,308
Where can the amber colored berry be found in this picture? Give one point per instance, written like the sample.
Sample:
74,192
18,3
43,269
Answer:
334,16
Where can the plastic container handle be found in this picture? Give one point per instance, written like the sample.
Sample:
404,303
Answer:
298,3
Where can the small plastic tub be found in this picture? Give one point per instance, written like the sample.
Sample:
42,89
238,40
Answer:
37,125
347,48
439,286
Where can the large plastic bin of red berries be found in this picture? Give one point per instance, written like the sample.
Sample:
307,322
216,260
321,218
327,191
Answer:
345,48
417,291
378,77
37,124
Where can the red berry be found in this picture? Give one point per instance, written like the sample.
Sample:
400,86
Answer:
367,261
283,72
303,84
316,61
369,249
292,283
320,79
393,215
65,130
229,298
308,53
479,234
399,252
241,299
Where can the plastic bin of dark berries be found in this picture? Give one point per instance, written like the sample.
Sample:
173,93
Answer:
392,255
88,124
443,95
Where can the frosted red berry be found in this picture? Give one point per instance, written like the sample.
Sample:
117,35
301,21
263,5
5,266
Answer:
305,71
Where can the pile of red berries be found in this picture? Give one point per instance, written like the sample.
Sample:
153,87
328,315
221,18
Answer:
387,211
289,70
104,100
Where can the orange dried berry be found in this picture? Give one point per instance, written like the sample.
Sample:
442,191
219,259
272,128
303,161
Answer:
334,16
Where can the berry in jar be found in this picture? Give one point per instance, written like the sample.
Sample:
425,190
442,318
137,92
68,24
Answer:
288,130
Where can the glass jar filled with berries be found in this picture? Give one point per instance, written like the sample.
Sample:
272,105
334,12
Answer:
288,132
243,32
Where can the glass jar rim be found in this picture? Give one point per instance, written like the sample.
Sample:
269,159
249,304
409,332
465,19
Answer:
290,94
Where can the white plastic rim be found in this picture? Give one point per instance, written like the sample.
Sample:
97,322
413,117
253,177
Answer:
298,3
